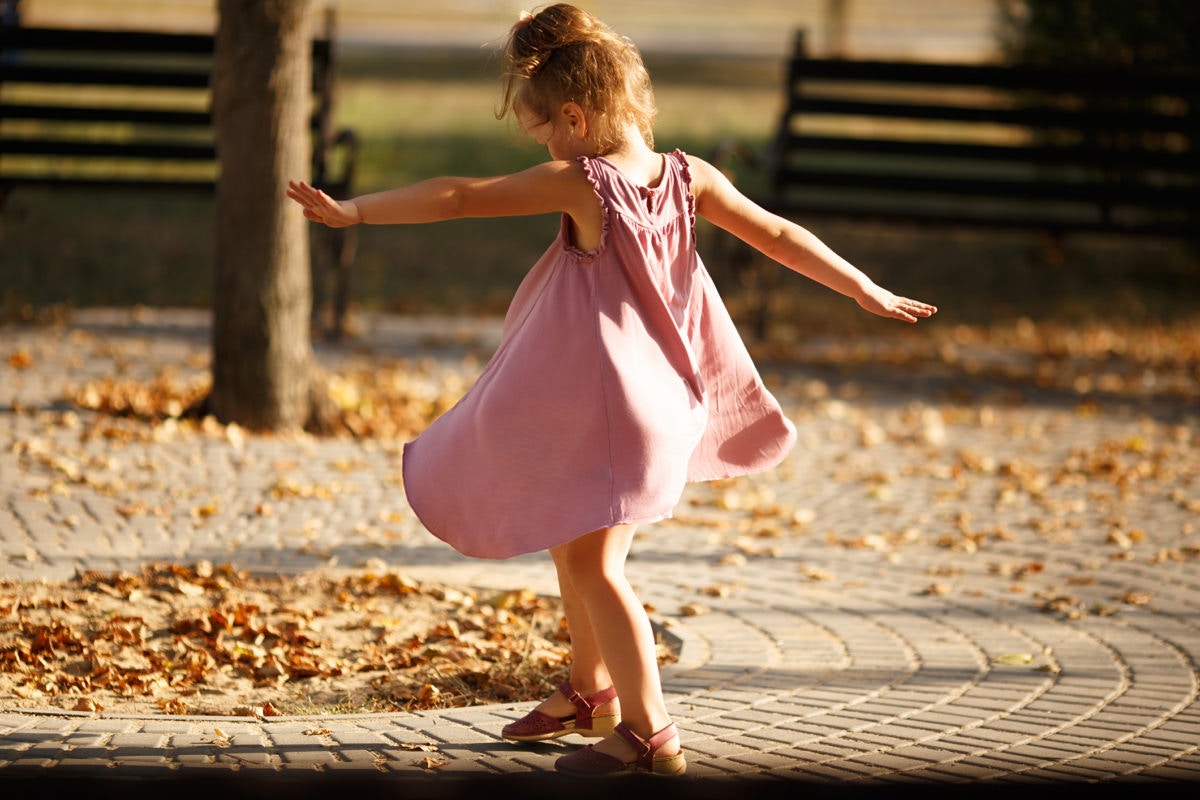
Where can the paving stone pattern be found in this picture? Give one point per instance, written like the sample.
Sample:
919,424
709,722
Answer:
851,655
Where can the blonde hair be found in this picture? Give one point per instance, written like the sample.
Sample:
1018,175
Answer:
562,54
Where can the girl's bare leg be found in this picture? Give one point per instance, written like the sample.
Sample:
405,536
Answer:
588,672
617,630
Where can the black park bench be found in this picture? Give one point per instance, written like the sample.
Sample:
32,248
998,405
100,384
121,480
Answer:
1052,149
112,109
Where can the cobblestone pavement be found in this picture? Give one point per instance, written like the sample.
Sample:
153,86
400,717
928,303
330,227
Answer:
945,598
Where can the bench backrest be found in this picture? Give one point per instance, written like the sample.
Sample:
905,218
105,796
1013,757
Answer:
120,108
1070,149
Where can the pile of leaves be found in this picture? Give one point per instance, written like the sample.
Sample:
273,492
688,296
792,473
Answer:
213,640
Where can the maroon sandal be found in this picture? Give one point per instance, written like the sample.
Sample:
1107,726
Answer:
589,761
537,726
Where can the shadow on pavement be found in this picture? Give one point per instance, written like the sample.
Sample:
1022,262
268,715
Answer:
534,786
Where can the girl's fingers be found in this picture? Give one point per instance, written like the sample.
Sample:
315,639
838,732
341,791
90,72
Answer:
917,307
317,205
908,310
303,192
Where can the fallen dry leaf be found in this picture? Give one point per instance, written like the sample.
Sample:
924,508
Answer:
89,705
1136,598
1014,659
816,573
20,359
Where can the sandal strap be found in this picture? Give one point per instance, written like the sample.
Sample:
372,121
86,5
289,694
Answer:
646,748
586,705
657,740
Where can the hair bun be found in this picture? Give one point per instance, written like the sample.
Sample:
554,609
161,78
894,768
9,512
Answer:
536,37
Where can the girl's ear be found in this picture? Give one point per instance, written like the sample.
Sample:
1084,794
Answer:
575,119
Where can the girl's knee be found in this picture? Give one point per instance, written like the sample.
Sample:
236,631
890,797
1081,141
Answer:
589,572
595,562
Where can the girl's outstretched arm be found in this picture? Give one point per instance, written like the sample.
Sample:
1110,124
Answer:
556,186
782,240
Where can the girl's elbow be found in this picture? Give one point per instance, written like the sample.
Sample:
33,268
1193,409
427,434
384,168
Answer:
775,244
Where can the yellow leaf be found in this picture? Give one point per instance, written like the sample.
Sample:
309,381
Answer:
1014,659
803,517
234,435
190,589
1120,539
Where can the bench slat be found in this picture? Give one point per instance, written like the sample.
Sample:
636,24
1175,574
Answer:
810,147
199,120
145,116
119,182
1097,192
1044,118
105,41
153,75
1044,79
133,150
954,217
124,42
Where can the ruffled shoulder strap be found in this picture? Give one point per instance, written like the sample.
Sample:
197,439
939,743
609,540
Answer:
591,171
685,168
685,175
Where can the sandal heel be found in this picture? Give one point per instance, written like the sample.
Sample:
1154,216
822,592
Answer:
669,765
602,725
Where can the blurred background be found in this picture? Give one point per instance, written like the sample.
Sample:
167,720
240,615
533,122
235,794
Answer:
418,82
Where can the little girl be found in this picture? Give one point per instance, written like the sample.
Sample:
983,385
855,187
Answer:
619,376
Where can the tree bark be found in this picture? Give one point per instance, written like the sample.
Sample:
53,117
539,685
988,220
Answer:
262,352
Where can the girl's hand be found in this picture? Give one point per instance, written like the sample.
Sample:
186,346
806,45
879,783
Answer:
320,207
880,301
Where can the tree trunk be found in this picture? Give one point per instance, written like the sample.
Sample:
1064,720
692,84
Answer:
262,351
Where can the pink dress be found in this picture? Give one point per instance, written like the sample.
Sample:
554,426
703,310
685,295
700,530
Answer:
619,377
